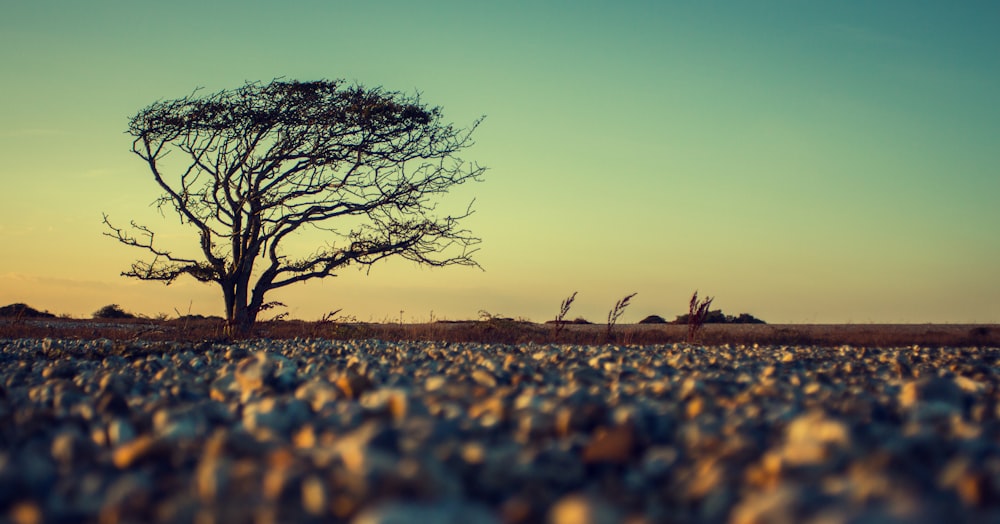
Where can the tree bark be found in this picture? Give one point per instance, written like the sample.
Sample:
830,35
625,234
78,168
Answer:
241,321
240,316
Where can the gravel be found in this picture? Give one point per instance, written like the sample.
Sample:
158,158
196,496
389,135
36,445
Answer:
377,432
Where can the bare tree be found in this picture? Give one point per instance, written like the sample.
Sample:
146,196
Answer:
264,162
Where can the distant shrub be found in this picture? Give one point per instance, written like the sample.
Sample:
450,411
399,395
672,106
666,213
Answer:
717,317
745,318
979,332
112,311
20,310
653,319
486,316
578,321
199,317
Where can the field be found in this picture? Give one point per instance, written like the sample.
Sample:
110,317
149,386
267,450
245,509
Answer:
508,331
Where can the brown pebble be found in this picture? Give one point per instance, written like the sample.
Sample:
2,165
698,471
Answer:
613,445
493,405
397,404
251,372
305,437
133,451
515,510
694,407
314,499
59,370
210,478
352,384
579,509
26,513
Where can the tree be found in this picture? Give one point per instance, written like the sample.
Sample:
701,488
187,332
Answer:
264,162
112,311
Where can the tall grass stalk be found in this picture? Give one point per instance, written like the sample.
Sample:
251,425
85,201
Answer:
616,313
697,311
561,317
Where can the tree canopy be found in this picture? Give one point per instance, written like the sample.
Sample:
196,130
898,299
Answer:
263,162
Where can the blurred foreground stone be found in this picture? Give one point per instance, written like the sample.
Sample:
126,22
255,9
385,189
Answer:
375,432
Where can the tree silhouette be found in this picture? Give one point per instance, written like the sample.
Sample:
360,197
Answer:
264,162
112,311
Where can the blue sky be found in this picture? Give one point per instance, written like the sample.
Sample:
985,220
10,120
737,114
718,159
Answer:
800,161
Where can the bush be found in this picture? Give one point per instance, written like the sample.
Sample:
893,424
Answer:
717,317
200,317
112,311
20,310
746,318
653,319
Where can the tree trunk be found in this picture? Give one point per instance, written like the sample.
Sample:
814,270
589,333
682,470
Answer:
240,317
241,321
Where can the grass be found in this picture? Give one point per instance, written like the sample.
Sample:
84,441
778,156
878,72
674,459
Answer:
697,311
560,320
615,314
494,329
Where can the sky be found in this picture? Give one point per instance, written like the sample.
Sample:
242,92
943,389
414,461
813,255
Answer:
801,161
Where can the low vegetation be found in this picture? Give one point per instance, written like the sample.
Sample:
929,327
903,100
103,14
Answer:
716,316
112,311
563,311
504,330
19,311
697,311
615,314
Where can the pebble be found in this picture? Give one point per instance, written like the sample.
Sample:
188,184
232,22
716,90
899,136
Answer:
579,509
441,513
377,432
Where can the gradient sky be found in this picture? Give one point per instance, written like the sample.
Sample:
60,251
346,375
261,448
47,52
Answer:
801,161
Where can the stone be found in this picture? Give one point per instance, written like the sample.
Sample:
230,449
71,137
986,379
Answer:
352,383
318,393
780,506
314,495
211,477
444,512
61,369
318,430
582,509
132,490
657,462
69,446
611,445
810,437
435,382
484,378
137,450
253,372
110,403
280,416
392,402
120,431
26,512
934,389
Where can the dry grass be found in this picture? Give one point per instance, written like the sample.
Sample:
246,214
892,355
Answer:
697,311
508,331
